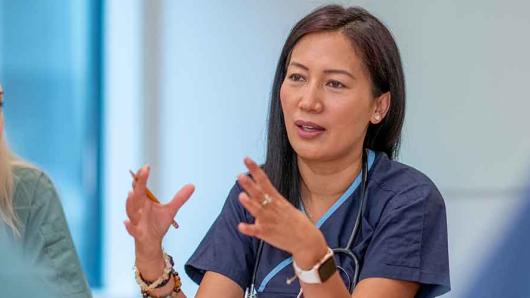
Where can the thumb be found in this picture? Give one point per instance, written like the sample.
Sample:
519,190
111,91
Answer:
180,198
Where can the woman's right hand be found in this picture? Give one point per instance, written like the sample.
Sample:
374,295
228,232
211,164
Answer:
148,222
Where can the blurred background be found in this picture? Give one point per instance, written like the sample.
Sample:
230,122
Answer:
94,88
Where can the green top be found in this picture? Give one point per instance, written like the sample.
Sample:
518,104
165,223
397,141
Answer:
46,239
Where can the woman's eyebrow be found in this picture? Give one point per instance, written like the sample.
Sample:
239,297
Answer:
299,65
327,71
339,71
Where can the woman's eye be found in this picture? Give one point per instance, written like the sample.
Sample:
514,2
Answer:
336,84
296,77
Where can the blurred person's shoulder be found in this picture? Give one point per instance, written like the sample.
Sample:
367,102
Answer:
31,187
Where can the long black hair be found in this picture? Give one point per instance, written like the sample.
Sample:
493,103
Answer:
377,49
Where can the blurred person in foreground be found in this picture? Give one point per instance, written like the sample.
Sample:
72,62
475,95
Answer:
32,223
19,277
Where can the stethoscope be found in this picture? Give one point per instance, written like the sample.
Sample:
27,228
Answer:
346,251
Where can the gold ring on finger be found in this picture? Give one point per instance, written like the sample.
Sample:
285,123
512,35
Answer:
266,200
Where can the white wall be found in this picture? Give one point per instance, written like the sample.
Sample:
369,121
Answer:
123,122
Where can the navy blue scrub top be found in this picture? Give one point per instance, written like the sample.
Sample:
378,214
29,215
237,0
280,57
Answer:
403,236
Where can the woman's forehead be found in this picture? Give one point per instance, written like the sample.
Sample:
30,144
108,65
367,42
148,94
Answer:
326,49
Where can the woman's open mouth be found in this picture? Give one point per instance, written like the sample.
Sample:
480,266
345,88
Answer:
308,130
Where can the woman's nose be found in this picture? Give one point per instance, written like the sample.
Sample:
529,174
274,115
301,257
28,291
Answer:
311,100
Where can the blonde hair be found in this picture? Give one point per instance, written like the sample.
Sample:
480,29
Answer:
7,210
8,162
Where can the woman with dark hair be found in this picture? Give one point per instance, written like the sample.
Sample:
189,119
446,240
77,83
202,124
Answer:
331,213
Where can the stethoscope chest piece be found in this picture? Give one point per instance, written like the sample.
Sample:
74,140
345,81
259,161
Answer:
251,292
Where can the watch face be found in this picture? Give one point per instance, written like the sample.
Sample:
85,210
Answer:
327,269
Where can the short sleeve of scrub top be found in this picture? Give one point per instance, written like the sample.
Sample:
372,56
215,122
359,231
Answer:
408,237
224,249
410,242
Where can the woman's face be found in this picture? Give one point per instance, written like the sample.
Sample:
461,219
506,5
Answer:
327,98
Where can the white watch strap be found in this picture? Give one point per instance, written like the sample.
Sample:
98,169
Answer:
312,276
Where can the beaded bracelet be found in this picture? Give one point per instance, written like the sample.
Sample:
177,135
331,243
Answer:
174,291
161,281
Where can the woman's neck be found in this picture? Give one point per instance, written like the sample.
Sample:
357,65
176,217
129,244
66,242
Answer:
326,181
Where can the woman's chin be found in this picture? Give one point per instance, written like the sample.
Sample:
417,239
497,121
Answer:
311,154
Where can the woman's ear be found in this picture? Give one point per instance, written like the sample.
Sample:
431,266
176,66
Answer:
381,107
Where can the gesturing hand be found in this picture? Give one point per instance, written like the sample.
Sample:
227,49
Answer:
148,221
277,222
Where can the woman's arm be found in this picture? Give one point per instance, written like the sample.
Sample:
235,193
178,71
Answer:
303,240
148,223
217,285
376,287
212,285
334,287
153,267
148,227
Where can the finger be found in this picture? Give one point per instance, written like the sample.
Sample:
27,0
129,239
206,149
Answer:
260,177
252,206
141,180
250,187
138,199
132,207
249,229
131,228
180,198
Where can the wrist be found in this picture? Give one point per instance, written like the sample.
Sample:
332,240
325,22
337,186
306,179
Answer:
153,250
310,251
166,285
150,265
319,272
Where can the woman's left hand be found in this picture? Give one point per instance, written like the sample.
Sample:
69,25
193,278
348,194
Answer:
277,222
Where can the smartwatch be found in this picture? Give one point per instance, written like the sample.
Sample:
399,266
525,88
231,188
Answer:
321,272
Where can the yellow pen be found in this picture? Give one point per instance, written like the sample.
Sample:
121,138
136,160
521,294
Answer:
152,197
